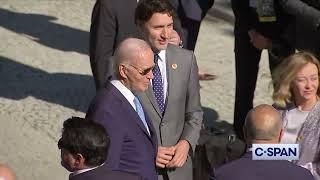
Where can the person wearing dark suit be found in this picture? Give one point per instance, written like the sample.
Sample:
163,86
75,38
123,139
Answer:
263,125
84,147
173,99
133,139
6,173
305,30
191,13
112,21
254,32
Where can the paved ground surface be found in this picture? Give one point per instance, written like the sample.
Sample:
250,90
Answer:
45,77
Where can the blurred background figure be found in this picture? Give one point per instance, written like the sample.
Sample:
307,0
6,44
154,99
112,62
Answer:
191,13
6,173
304,32
296,95
255,30
84,146
263,125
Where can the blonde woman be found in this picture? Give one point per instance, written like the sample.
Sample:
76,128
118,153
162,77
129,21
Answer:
296,95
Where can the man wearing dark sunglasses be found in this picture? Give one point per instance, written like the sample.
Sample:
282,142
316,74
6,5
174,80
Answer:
118,109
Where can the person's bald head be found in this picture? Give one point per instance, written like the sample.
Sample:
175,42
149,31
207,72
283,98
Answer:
130,51
134,62
6,173
263,123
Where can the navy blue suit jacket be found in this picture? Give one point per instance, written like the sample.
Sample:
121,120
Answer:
132,149
102,173
248,169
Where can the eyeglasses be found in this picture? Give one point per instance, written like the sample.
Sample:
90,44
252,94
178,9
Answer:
143,72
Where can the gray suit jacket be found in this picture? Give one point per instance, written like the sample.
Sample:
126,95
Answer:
182,118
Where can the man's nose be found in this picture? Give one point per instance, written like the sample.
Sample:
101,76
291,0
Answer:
150,75
165,33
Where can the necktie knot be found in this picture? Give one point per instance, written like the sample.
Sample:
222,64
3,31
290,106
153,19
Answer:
156,58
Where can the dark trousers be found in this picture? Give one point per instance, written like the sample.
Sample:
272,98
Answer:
190,27
247,59
190,30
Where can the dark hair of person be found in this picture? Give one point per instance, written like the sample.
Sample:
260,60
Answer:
85,137
147,8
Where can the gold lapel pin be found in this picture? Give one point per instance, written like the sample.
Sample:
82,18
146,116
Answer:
174,66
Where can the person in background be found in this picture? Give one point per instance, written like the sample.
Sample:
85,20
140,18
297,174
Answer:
304,31
263,125
254,31
84,147
296,95
6,173
191,13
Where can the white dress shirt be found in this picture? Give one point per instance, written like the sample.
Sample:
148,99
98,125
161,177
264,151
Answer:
82,170
124,91
128,95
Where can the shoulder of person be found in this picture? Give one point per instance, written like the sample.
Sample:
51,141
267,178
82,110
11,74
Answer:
177,49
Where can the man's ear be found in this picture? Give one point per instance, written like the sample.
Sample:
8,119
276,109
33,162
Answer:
122,71
79,161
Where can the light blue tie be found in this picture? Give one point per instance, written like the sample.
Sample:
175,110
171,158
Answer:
140,112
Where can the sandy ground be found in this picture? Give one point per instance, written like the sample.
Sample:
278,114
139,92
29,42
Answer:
45,77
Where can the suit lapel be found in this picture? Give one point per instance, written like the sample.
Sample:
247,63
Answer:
170,73
127,106
152,99
170,78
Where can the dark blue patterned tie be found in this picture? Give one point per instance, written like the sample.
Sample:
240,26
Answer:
157,84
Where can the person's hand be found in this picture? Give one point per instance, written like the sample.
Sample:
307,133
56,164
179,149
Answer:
164,155
180,154
174,38
259,41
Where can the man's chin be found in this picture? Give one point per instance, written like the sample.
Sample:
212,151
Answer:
162,47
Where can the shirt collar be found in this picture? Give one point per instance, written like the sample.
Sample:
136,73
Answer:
124,91
83,170
162,55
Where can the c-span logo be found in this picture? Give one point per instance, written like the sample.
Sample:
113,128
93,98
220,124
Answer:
275,151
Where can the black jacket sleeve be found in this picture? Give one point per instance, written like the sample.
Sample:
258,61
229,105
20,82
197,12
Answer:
298,8
102,39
